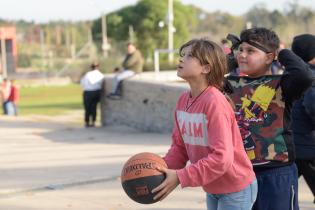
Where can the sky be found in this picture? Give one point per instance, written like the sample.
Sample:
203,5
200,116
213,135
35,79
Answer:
73,10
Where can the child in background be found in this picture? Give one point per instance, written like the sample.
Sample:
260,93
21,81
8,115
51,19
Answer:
206,134
303,115
14,97
263,110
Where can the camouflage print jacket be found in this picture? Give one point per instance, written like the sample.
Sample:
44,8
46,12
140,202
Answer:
263,111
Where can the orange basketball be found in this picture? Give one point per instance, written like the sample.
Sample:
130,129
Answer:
139,176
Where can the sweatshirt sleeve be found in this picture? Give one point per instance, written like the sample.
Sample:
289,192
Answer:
308,103
176,157
297,76
220,156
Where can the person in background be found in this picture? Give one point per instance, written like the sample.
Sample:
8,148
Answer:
276,67
13,99
132,64
225,46
91,83
206,134
303,115
4,94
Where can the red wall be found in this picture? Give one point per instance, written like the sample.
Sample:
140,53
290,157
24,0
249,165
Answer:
9,33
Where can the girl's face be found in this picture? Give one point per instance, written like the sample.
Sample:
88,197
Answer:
253,61
189,67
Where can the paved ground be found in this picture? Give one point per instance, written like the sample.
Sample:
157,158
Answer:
55,164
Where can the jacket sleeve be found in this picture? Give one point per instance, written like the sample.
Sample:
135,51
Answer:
297,76
176,157
309,103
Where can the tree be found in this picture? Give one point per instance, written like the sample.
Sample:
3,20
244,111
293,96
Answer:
259,16
144,17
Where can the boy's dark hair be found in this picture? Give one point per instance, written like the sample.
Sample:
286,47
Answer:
262,38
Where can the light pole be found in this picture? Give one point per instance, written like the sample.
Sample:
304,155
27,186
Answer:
105,45
170,17
3,53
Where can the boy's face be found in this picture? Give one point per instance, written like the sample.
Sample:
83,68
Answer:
253,61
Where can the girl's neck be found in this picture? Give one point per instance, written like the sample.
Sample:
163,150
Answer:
197,88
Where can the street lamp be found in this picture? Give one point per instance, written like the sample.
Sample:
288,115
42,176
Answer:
170,18
105,45
3,53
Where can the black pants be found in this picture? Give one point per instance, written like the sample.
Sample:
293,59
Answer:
90,100
307,170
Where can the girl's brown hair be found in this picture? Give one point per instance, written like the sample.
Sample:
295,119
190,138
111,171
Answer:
211,54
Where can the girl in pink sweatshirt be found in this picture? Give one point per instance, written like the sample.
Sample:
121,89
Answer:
206,134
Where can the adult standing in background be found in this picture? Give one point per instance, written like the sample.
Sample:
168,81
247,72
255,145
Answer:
91,84
13,99
5,91
303,115
132,64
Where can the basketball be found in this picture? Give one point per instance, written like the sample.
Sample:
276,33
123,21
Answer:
139,176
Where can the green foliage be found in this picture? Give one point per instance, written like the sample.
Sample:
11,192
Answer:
164,65
217,25
296,19
24,60
50,100
259,16
51,46
144,18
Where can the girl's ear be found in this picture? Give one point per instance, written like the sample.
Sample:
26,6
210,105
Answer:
206,69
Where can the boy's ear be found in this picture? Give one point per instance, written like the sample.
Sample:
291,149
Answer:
270,57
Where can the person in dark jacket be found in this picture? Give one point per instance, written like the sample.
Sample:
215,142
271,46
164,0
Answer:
303,115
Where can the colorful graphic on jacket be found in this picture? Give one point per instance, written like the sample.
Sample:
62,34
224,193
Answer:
259,113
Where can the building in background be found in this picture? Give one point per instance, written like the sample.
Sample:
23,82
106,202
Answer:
8,50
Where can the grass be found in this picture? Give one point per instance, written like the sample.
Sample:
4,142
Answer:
50,100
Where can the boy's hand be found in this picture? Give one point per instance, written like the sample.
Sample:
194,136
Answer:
167,186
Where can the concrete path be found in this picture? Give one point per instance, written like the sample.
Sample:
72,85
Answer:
52,163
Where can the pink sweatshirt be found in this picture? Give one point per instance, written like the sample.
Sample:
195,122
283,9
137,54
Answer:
208,136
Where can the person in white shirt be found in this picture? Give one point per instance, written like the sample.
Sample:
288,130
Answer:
91,83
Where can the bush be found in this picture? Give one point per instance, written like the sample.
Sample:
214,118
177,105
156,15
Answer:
24,61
